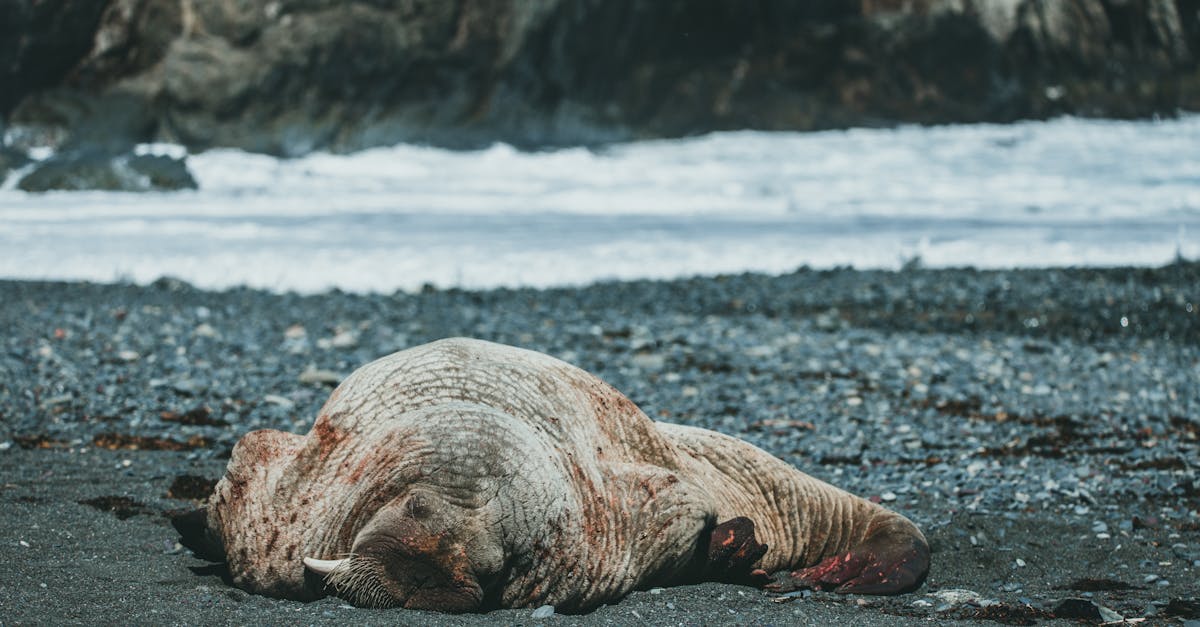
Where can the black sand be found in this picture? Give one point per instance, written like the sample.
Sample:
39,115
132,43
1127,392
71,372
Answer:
1042,426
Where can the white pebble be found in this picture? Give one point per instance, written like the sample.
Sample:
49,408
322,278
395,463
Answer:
205,329
282,401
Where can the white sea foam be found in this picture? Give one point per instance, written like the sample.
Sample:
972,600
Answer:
1065,192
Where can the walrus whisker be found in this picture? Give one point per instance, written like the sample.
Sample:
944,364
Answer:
359,581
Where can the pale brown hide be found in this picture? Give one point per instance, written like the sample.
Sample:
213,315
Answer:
463,475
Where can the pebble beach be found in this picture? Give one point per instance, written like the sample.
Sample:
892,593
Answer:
1042,426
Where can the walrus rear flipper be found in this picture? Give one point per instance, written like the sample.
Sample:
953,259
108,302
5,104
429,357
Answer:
892,560
734,552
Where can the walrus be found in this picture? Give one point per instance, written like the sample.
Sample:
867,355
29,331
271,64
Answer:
464,475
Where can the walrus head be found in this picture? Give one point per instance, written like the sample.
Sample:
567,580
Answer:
411,552
345,518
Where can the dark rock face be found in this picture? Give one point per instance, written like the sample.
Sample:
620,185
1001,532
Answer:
10,158
98,170
288,76
40,42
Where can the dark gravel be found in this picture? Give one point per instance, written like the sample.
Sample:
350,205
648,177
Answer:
1042,426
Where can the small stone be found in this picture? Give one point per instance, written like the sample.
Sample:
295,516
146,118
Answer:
128,355
205,330
1148,522
545,611
341,339
187,387
1108,615
281,401
655,591
958,596
1020,563
888,496
24,544
313,375
345,339
1077,608
648,361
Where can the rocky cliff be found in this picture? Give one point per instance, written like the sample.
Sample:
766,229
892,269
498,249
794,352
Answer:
290,76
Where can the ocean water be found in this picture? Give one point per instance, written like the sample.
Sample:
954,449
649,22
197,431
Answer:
1056,193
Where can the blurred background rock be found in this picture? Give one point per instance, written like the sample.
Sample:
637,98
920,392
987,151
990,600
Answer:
286,77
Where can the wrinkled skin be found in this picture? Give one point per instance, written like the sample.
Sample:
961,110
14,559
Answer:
464,475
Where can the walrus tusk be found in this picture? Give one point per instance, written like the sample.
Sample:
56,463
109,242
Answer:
323,567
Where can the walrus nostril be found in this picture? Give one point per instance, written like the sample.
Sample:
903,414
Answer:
323,567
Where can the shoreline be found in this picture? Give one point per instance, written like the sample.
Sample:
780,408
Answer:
1045,447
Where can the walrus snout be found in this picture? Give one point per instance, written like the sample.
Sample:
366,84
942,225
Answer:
418,551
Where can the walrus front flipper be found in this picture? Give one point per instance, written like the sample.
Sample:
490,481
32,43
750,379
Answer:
892,560
733,553
195,535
